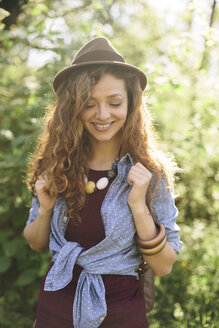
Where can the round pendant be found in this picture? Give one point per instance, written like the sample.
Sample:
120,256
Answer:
90,187
102,183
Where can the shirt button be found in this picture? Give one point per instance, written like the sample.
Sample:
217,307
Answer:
65,218
101,318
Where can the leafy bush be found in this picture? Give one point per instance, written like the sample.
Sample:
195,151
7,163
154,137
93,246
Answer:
183,94
189,296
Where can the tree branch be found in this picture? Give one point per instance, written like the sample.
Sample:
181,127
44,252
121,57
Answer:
205,52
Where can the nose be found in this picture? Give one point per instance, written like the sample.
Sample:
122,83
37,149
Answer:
103,112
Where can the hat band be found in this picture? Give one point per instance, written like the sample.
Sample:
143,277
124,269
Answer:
98,56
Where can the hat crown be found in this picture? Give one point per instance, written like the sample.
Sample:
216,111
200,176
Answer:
98,49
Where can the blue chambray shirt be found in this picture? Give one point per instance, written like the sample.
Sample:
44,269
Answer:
116,254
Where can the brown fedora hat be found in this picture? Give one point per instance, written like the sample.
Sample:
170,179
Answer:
97,51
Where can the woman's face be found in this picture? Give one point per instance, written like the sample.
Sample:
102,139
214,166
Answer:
106,111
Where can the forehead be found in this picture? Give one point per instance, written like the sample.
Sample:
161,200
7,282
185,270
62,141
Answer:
109,85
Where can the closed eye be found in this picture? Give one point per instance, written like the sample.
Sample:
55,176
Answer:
89,106
115,105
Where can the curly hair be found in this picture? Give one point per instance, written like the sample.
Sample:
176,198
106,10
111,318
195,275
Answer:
61,154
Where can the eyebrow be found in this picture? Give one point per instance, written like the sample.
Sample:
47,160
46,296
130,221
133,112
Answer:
111,96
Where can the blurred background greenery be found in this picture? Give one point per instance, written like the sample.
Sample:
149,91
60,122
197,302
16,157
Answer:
176,44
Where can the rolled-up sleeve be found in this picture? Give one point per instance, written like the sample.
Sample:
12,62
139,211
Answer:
165,212
33,211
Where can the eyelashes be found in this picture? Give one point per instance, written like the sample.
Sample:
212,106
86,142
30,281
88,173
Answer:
115,105
93,105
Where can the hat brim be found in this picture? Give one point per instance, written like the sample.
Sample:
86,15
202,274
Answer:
64,73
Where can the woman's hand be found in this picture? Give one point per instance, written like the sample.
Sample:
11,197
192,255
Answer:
37,232
139,178
46,201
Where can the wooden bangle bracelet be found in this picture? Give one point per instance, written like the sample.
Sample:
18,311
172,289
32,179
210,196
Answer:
153,242
155,250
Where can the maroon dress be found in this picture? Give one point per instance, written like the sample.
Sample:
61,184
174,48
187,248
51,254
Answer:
125,301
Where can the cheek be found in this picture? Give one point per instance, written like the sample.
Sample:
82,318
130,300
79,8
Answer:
123,114
84,118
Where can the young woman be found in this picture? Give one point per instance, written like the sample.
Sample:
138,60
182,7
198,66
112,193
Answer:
102,195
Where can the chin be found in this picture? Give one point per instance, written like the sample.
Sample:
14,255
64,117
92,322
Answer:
106,138
103,138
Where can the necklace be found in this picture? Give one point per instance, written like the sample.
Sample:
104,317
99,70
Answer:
102,183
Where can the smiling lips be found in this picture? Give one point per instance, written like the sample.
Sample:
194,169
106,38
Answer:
102,127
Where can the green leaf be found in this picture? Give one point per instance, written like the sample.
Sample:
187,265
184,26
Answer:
36,11
26,277
12,247
4,235
5,264
20,140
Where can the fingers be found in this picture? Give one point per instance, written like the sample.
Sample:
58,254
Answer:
41,183
140,171
136,173
139,174
42,178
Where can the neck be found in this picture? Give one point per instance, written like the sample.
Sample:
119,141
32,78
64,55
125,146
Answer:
102,155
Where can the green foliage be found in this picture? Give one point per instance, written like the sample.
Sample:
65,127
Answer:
189,296
183,97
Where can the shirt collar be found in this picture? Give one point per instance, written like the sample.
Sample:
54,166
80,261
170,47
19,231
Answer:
127,158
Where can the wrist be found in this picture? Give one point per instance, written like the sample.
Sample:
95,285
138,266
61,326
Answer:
139,208
45,212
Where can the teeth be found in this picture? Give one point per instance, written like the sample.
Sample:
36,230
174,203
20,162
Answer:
102,125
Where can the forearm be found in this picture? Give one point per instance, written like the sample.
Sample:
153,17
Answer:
37,233
162,262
